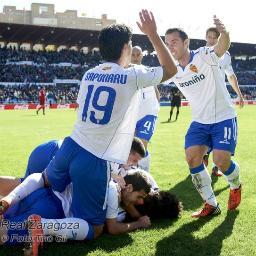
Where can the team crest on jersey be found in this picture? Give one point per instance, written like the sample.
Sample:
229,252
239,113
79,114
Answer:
106,68
193,68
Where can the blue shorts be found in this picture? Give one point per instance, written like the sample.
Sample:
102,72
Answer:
42,202
41,156
222,135
89,175
145,127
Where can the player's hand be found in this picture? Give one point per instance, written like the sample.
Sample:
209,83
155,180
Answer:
3,207
241,102
219,25
144,222
120,181
147,23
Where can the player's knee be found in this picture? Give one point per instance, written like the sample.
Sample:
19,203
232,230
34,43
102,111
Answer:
193,160
222,165
222,162
97,230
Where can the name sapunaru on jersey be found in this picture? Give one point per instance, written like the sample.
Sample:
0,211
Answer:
202,84
108,108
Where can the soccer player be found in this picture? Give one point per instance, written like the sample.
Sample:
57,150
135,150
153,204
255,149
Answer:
160,205
175,102
41,97
213,115
108,102
41,156
225,64
212,35
148,111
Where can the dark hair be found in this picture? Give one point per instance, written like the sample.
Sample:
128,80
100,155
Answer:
183,35
139,181
213,29
138,147
112,40
162,205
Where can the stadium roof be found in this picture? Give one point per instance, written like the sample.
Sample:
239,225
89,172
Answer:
65,36
47,35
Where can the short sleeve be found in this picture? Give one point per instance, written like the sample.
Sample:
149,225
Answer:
228,66
148,76
112,202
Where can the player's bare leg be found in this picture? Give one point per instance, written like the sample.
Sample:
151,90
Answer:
177,113
171,112
231,170
7,184
201,180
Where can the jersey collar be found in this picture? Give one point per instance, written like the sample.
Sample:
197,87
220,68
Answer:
192,54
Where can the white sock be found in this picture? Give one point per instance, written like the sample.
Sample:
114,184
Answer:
29,185
144,163
69,228
202,182
232,175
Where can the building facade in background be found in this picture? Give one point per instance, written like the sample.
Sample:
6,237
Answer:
45,15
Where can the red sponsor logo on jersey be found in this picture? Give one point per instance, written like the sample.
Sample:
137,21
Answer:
193,68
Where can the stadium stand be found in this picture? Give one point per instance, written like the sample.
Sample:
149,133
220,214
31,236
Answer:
28,69
24,72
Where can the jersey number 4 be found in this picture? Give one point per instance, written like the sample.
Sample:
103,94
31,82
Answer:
92,106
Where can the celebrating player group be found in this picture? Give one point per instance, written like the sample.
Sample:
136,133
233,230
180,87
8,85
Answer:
94,177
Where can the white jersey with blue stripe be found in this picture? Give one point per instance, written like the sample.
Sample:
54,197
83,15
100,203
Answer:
202,84
108,108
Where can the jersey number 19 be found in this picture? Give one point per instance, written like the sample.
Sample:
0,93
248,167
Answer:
92,99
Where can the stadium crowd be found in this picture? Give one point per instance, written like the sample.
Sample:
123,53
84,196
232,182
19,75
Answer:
30,68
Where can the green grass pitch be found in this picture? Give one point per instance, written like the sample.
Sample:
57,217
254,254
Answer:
229,234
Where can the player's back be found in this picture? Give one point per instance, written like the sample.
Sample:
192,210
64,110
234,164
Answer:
108,103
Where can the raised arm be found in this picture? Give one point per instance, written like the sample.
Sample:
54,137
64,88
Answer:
224,41
148,26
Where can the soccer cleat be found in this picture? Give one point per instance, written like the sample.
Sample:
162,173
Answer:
234,198
36,235
216,172
208,210
3,206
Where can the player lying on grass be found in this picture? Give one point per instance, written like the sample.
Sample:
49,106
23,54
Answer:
57,203
43,154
